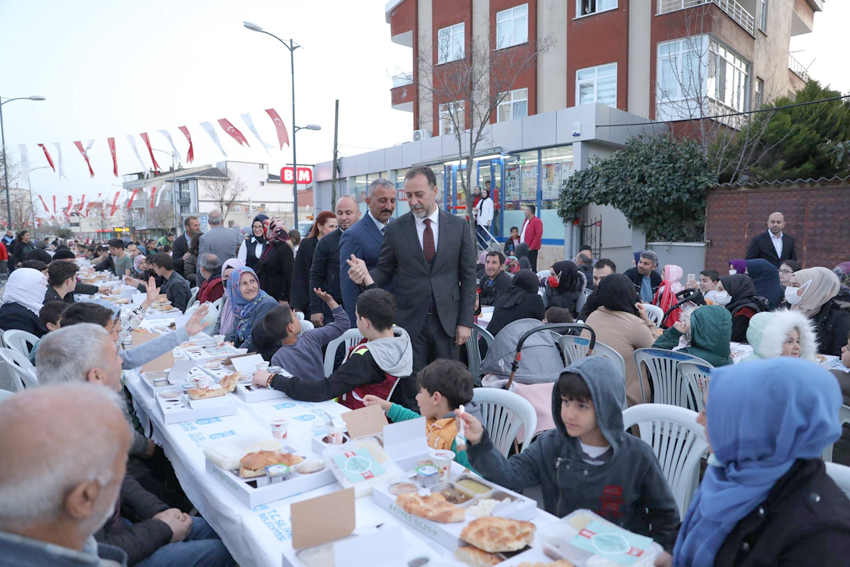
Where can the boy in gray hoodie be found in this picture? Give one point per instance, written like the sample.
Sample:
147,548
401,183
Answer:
588,461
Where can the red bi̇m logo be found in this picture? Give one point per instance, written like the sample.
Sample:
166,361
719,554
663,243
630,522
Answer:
305,175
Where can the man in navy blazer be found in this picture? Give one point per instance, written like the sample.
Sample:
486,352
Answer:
365,237
773,245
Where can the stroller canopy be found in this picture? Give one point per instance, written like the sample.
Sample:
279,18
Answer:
541,361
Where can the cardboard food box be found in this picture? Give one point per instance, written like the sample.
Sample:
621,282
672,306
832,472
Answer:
205,350
448,535
251,394
180,408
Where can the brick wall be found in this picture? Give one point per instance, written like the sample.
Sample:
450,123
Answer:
816,215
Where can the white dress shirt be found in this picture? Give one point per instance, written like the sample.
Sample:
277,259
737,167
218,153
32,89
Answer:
378,223
420,228
777,244
522,233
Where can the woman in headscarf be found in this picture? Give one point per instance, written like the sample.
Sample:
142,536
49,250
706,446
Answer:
278,262
479,267
704,332
765,278
737,267
325,223
522,255
738,294
766,498
818,299
225,314
665,297
621,323
782,333
520,301
22,301
140,266
511,265
249,303
252,248
564,286
843,273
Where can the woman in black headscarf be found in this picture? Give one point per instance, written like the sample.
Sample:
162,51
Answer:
738,294
765,278
521,301
564,286
522,256
253,246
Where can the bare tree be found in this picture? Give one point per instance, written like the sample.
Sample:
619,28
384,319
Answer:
224,191
468,90
162,216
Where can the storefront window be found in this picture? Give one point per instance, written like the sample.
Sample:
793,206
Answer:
401,200
520,187
439,172
556,167
361,188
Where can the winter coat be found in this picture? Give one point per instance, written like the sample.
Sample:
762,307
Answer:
711,331
190,268
275,273
568,298
767,333
833,324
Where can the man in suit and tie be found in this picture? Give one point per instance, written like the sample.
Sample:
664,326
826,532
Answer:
773,245
430,255
365,237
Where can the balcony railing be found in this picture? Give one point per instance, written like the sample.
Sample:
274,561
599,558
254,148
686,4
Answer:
403,80
798,69
732,9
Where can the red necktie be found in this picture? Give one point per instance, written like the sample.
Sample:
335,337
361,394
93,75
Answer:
428,242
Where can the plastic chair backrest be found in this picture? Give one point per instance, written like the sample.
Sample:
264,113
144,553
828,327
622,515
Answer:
503,413
351,337
21,341
677,441
21,371
840,475
194,296
306,326
843,417
696,378
473,350
662,367
575,348
5,394
654,313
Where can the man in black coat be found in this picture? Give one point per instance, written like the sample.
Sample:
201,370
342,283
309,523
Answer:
430,254
495,282
324,272
773,245
180,247
644,276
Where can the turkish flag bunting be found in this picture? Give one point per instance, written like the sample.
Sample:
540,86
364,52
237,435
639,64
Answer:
147,140
54,204
153,193
282,135
46,210
115,202
47,155
85,157
82,203
133,196
233,131
111,142
190,157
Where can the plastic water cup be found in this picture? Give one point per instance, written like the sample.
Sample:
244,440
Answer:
443,461
279,427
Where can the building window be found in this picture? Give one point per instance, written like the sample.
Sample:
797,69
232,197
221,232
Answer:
587,7
262,183
450,42
758,98
763,15
514,105
597,85
679,73
728,78
261,166
512,26
452,114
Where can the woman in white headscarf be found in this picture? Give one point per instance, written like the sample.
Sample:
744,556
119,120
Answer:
818,298
22,300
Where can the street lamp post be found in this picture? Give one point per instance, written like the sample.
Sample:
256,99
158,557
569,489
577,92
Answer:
5,161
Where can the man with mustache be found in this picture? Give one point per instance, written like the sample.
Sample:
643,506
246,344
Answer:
430,256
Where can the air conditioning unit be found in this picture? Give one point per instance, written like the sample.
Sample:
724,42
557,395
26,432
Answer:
420,135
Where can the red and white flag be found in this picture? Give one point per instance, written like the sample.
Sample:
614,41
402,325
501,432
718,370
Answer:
282,135
115,203
111,142
190,157
233,131
47,155
133,196
46,210
92,203
82,204
147,140
54,198
171,142
83,152
153,194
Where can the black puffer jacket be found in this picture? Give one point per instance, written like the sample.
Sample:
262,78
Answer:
833,324
567,298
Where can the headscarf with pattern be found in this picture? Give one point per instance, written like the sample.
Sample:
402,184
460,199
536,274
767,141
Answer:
275,232
243,308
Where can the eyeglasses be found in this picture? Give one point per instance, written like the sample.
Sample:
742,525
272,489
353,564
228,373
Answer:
786,272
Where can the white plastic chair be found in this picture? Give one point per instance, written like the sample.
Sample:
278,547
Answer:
19,369
194,296
654,313
840,474
677,441
473,350
21,341
306,326
696,377
575,348
662,367
351,337
843,417
503,413
5,395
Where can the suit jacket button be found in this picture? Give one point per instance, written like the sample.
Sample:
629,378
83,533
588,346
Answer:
761,511
745,546
814,497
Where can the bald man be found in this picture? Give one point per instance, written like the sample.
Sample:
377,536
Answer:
64,457
219,240
773,245
324,273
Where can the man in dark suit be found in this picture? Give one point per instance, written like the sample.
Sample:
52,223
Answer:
324,271
364,239
773,245
180,247
430,254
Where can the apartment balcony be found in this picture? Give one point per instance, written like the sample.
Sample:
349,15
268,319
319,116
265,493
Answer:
798,69
803,16
401,15
403,92
738,13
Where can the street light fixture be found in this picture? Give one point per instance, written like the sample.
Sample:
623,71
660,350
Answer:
291,46
5,163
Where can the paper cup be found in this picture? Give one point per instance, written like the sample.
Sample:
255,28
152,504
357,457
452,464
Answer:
262,366
279,427
219,340
443,461
204,383
335,433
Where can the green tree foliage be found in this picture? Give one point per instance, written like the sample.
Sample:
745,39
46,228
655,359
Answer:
659,184
790,145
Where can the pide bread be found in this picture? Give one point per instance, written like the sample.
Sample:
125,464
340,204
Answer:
476,558
204,393
254,464
498,535
229,381
432,507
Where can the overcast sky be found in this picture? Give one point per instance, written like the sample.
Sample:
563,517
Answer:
112,68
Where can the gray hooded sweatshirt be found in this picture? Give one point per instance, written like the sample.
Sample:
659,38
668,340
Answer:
625,485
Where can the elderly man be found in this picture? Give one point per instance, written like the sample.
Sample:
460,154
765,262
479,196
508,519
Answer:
86,352
365,237
218,240
773,245
644,276
64,457
209,267
324,272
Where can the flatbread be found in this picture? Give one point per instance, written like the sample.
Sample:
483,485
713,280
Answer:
254,464
229,381
498,535
476,558
432,507
204,393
